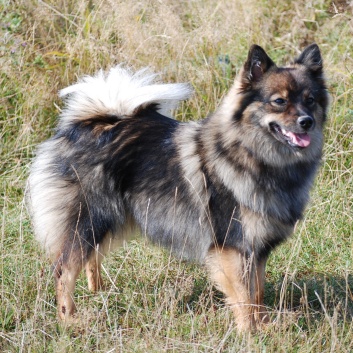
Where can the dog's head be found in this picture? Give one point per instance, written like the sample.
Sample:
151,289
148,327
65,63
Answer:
282,108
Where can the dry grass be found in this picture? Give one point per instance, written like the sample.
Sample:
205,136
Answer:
153,302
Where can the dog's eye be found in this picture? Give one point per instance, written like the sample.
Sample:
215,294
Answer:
310,100
280,101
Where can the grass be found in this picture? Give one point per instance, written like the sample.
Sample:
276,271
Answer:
153,302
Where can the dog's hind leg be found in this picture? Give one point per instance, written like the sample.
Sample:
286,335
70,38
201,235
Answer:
231,273
93,270
66,271
93,266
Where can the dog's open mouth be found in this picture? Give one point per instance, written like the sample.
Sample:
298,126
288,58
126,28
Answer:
294,139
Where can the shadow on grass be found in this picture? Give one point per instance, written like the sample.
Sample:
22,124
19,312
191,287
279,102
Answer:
321,293
308,298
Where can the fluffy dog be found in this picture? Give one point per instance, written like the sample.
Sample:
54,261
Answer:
223,191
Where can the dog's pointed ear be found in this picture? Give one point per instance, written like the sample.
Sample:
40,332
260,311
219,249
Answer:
256,65
311,58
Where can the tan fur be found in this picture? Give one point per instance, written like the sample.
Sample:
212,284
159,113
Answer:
260,312
93,271
243,283
65,279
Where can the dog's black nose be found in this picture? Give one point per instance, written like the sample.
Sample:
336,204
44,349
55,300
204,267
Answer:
306,122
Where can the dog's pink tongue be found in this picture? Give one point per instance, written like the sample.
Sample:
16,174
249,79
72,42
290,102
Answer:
302,140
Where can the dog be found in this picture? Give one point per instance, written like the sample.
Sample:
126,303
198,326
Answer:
223,191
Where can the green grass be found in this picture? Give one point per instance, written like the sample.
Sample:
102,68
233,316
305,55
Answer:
154,303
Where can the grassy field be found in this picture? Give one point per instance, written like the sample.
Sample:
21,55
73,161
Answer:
154,303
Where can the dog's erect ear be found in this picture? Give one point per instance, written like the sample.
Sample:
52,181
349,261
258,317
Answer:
311,58
256,65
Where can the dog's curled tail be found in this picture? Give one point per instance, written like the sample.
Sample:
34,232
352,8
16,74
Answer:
119,92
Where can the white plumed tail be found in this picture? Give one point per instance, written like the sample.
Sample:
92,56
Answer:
120,92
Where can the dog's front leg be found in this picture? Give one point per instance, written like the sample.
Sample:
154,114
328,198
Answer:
257,290
232,273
